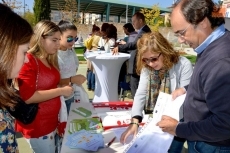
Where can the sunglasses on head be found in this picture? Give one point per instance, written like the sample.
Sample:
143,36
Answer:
70,39
153,59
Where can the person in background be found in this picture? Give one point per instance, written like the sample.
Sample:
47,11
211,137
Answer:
38,83
138,21
161,69
92,44
67,59
130,32
206,126
131,36
14,45
108,36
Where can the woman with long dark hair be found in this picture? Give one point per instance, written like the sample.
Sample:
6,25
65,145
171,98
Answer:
15,34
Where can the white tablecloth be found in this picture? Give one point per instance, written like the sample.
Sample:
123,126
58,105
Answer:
107,68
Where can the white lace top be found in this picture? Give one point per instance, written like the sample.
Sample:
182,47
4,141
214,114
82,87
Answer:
68,63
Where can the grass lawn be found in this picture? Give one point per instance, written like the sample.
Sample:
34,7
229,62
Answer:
192,58
79,50
81,58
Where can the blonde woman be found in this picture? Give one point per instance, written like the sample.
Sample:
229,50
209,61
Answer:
38,83
161,69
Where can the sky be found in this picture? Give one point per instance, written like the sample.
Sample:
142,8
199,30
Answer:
162,3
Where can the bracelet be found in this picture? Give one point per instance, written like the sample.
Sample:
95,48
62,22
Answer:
134,123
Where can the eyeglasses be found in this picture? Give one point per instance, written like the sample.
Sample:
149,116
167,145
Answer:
182,33
70,39
153,59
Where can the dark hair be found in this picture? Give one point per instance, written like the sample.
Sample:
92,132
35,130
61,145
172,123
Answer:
111,31
66,25
195,11
129,27
139,16
14,31
104,26
95,28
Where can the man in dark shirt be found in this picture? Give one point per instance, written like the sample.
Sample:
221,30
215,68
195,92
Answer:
138,21
206,123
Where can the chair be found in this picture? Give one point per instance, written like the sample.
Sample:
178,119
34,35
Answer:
125,86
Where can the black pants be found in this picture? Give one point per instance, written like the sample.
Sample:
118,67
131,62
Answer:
134,81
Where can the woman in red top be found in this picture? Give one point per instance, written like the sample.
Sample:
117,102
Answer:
38,81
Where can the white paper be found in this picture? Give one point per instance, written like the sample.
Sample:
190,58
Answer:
118,118
151,138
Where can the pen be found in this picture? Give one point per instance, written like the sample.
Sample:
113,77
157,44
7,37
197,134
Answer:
110,142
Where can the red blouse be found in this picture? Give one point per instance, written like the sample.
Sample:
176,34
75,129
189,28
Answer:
46,120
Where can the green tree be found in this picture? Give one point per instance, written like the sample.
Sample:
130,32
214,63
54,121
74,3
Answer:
29,16
41,10
152,17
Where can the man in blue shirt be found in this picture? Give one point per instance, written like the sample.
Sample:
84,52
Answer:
206,125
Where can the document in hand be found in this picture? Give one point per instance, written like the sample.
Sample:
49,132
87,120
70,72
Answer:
151,138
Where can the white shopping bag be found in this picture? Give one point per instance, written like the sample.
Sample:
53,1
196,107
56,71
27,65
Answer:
63,111
80,95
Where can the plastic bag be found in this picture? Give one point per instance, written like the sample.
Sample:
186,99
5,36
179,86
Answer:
63,111
80,95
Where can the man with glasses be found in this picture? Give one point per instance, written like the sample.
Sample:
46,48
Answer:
206,123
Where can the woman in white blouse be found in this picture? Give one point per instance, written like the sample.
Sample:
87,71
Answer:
108,36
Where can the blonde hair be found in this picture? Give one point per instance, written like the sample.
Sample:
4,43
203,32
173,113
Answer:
156,43
43,29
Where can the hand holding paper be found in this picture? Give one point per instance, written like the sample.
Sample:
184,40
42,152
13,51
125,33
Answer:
168,124
165,117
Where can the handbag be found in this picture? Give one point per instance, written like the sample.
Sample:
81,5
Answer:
23,112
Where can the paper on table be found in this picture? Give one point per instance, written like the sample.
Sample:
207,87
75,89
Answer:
85,140
120,118
151,138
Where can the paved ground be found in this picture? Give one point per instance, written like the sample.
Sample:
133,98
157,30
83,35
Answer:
23,145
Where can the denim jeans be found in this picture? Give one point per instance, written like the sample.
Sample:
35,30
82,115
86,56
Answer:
90,80
177,145
68,104
43,144
202,147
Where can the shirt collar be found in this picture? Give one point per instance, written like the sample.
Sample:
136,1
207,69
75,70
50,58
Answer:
140,29
217,33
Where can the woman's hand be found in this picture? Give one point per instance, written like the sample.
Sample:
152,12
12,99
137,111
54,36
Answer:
178,92
78,79
66,91
131,130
